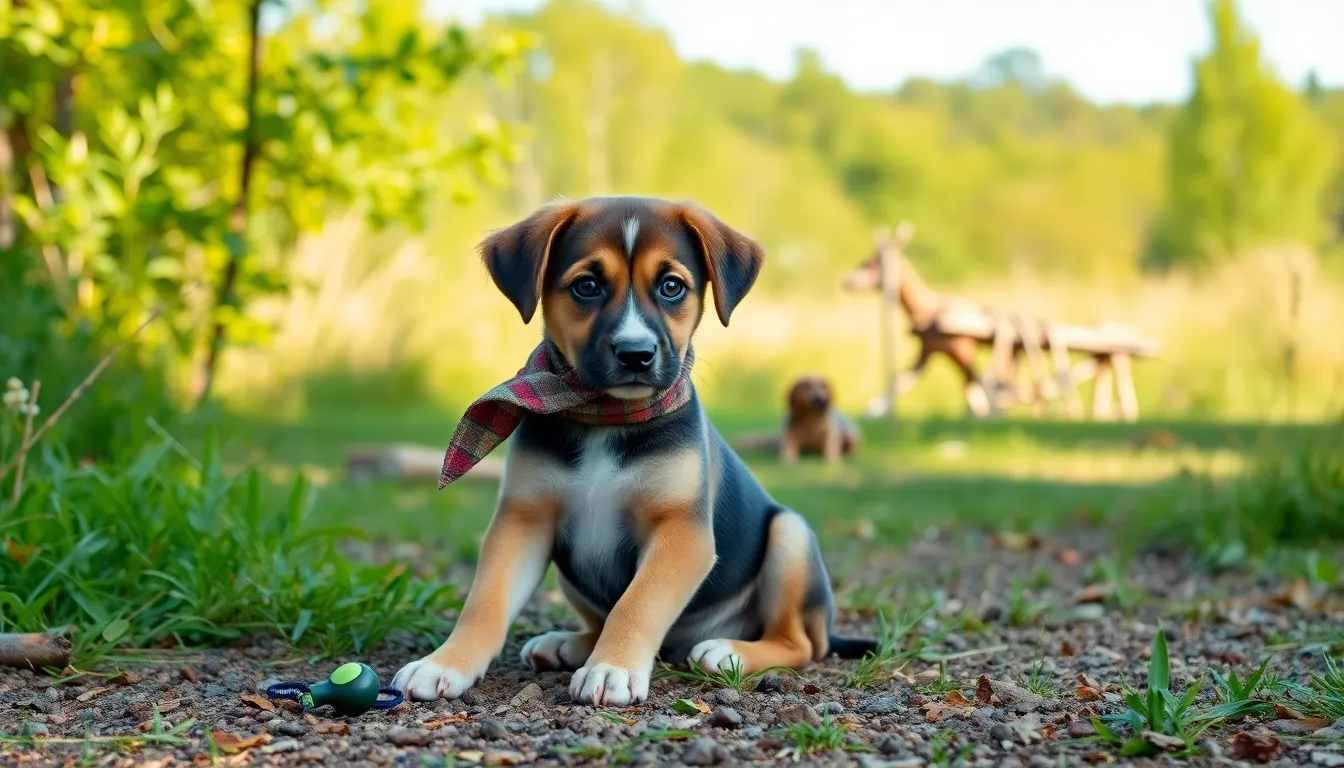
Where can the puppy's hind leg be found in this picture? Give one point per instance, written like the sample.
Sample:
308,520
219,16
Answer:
794,600
559,649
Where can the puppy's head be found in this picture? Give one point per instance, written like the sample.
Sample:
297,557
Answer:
621,282
809,395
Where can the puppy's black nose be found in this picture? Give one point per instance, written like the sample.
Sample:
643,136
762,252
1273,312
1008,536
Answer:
635,356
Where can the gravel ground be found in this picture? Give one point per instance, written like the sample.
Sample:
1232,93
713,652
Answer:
1086,631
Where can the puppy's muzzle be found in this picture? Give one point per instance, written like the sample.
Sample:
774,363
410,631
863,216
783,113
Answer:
635,356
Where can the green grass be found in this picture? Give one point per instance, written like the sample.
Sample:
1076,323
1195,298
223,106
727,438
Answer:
812,739
876,666
622,754
941,684
732,677
165,548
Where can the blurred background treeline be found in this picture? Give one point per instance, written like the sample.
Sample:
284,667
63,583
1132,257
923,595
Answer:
304,214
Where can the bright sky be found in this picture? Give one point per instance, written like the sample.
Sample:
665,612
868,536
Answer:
1110,50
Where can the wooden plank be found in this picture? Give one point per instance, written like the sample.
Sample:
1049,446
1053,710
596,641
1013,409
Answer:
1104,338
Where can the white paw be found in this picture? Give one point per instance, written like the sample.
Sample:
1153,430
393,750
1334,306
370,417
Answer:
426,680
716,655
557,650
604,685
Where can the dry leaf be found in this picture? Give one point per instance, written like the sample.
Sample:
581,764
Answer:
1097,758
168,706
1088,693
309,719
20,552
984,692
1066,649
229,743
1297,595
956,699
289,705
471,755
504,757
332,729
1262,746
439,722
1288,713
1069,556
1095,593
190,674
130,677
258,701
1013,540
89,694
1084,679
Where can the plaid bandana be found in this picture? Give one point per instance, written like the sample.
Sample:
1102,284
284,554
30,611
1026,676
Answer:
549,385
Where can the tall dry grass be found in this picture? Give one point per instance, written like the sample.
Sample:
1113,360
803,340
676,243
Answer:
377,318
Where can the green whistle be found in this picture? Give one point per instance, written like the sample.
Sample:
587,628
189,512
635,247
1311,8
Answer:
351,690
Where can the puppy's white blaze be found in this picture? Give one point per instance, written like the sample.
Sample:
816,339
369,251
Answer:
630,230
632,327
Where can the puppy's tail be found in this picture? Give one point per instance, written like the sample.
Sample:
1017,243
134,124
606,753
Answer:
851,647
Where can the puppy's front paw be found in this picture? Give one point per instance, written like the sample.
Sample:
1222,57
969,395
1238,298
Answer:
716,655
426,680
606,685
558,650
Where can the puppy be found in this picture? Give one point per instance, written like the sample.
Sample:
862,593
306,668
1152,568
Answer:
664,543
814,425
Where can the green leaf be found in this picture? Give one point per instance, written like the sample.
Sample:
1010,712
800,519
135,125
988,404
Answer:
1137,747
687,707
1159,669
305,616
1106,733
115,630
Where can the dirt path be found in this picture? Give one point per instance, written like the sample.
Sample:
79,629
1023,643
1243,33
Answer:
1084,631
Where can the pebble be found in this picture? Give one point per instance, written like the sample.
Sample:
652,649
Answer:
1290,727
472,698
1332,759
409,737
282,745
727,696
879,705
531,693
1211,748
36,730
1080,729
726,717
313,754
1333,731
890,745
283,728
754,731
493,730
770,684
704,751
830,708
800,714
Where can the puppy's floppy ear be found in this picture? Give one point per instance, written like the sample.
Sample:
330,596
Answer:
516,256
734,260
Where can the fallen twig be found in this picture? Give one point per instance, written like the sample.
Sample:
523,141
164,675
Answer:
34,649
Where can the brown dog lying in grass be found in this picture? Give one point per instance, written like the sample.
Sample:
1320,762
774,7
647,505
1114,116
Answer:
814,425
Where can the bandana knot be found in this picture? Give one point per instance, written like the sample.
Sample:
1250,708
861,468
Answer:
550,385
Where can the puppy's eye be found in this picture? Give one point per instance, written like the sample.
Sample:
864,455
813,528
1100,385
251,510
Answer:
672,288
586,288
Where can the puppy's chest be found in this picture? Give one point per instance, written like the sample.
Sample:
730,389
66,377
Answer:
595,498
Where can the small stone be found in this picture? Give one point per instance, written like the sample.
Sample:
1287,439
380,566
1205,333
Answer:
726,717
1040,761
282,745
36,730
1331,759
285,728
727,696
1211,748
1081,729
216,691
1333,731
493,730
769,745
753,731
409,737
1290,727
504,757
701,752
811,689
313,754
879,705
799,714
770,684
472,698
531,693
830,708
660,722
889,745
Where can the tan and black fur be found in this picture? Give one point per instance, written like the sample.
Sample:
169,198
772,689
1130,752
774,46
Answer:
664,542
814,425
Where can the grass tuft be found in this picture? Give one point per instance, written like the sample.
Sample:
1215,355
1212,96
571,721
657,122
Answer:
165,549
732,677
876,666
810,739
